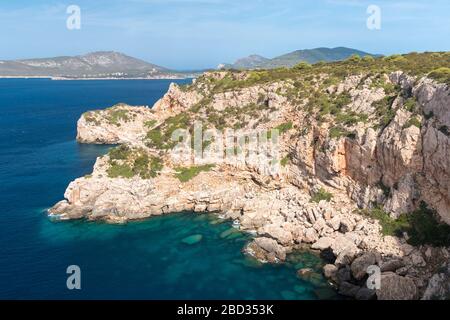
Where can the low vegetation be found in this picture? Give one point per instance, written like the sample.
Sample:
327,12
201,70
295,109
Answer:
433,64
420,225
161,136
441,75
413,121
128,162
320,195
185,174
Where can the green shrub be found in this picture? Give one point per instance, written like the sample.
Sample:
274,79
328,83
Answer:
284,127
284,161
414,121
115,116
384,111
119,153
411,105
421,226
187,173
425,229
150,123
302,66
354,58
441,74
389,226
155,138
119,170
126,162
337,132
320,195
368,59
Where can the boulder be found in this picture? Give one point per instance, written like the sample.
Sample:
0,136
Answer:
366,294
359,265
335,223
345,258
327,255
266,249
330,271
438,287
343,275
348,289
323,243
346,225
341,244
283,236
392,265
395,287
310,236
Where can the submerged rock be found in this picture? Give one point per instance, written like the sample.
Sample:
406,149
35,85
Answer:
192,239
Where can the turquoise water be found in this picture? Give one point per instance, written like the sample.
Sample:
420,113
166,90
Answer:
180,256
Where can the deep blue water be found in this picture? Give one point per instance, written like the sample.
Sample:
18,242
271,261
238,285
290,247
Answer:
141,260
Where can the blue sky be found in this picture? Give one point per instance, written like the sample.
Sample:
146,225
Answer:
190,34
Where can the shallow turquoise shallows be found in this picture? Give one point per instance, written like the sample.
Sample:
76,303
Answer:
179,256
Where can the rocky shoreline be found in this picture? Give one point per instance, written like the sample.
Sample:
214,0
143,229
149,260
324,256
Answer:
396,166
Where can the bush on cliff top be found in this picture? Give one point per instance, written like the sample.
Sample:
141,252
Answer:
441,74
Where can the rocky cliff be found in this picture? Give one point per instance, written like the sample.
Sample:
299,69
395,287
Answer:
362,165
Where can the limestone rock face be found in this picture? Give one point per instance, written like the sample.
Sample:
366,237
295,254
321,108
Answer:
118,124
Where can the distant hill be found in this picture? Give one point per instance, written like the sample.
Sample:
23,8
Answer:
250,62
101,64
292,58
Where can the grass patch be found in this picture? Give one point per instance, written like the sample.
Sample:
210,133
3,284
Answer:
185,174
320,195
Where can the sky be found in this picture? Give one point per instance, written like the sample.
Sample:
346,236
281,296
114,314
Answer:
196,34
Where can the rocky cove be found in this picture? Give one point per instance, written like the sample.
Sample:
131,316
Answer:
364,150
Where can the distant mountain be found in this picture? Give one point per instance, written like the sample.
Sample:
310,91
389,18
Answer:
292,58
101,64
250,62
